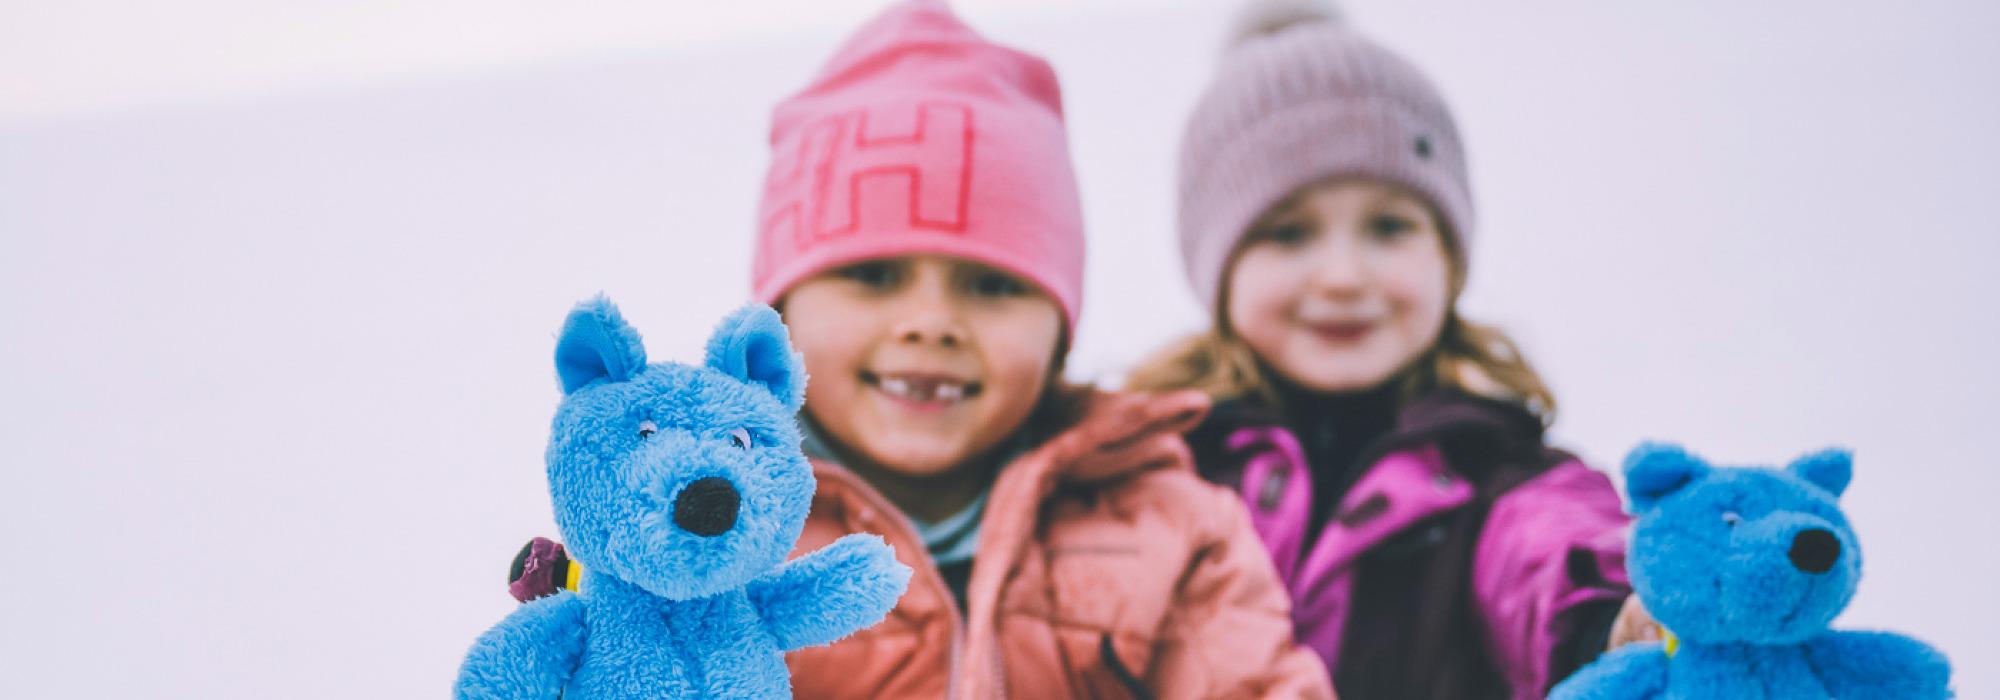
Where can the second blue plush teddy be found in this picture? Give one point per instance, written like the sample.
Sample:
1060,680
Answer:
681,489
1746,567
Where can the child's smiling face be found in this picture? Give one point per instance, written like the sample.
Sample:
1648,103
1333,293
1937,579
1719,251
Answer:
1342,285
921,363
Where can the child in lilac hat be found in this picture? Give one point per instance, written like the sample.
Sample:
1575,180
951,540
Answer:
1391,452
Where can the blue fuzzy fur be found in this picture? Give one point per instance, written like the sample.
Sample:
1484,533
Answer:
663,612
1711,560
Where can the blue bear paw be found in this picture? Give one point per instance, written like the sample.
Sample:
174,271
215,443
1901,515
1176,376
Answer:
839,589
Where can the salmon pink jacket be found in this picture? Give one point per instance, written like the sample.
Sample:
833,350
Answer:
1106,568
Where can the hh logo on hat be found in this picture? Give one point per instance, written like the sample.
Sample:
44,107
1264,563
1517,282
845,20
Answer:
884,169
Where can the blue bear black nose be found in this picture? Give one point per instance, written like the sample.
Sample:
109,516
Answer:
707,507
1814,551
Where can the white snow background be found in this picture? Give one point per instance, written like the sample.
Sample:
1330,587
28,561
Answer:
279,281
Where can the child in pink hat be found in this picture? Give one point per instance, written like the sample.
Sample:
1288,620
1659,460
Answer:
921,234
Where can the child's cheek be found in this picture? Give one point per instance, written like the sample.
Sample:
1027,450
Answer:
1259,289
1029,341
1021,350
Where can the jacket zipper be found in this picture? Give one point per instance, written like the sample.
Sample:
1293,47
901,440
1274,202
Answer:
999,672
896,518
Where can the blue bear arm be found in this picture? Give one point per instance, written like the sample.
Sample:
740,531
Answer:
1879,665
830,593
530,654
1634,671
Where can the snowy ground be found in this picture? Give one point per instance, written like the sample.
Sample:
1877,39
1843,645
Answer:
276,357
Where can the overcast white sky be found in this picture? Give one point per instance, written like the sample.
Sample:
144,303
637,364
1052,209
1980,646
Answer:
66,57
280,280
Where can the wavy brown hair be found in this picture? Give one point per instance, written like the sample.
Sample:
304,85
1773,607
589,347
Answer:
1467,356
1474,358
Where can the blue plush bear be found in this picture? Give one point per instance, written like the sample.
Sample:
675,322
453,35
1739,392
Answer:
1746,567
681,489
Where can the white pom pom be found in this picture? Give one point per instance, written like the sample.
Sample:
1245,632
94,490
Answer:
1260,18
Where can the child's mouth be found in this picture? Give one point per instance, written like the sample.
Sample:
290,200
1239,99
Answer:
926,390
1342,332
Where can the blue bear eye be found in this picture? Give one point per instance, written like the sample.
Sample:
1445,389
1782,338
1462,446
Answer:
1731,519
647,428
739,438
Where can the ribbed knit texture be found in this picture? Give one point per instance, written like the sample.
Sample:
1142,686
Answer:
919,136
1301,102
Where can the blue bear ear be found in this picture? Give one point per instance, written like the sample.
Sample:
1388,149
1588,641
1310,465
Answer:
752,345
1653,470
1829,469
596,343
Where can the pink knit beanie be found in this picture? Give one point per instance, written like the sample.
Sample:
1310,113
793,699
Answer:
921,137
1300,98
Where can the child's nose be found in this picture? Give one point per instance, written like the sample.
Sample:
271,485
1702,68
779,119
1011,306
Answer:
942,336
1338,269
927,323
707,507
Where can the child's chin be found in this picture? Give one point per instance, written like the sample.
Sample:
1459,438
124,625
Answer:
1340,381
919,457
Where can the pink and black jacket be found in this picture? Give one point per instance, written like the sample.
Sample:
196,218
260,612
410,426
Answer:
1436,548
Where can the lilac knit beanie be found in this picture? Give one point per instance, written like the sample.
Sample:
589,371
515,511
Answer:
1299,98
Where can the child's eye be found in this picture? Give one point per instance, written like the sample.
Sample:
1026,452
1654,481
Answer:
994,284
1731,519
1387,226
647,428
739,438
1285,234
877,274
